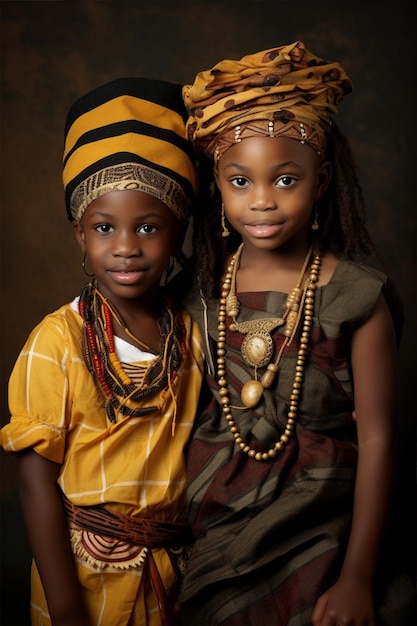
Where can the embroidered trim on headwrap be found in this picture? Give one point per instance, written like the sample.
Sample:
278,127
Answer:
129,134
129,176
285,91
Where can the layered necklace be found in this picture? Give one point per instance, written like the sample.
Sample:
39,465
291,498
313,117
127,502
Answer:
257,347
121,394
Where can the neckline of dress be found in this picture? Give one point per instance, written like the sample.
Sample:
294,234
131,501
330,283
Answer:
285,294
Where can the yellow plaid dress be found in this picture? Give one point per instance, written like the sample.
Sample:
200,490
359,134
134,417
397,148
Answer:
135,466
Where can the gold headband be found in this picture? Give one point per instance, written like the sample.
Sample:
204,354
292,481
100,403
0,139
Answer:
285,91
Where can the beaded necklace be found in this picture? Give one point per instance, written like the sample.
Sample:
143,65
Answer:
121,394
298,302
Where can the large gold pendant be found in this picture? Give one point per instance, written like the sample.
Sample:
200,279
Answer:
251,393
257,348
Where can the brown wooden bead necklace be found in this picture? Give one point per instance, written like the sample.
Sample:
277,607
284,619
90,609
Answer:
257,348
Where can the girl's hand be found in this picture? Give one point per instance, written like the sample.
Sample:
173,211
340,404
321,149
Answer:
348,603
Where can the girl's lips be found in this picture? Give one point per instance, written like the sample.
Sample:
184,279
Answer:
263,230
126,278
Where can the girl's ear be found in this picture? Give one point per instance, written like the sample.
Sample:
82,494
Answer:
216,175
324,175
79,235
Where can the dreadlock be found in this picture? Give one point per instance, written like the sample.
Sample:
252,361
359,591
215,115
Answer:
341,209
341,215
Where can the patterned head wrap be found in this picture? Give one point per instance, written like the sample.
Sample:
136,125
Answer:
129,134
286,91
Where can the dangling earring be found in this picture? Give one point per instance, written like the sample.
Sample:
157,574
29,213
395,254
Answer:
225,231
315,224
84,266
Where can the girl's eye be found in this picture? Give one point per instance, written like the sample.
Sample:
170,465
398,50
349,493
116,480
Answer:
147,229
103,228
239,181
286,181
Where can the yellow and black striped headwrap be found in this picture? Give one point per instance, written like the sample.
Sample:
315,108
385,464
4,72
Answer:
129,134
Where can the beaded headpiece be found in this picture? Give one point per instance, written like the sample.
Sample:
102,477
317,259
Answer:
284,91
129,134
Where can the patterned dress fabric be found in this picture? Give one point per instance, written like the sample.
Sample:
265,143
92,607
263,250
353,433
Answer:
270,536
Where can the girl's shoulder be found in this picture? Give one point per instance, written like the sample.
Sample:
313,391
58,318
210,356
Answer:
344,270
64,325
353,290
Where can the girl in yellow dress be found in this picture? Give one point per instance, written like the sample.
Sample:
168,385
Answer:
104,392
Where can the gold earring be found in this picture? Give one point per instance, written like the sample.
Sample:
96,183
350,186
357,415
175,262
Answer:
315,224
225,231
84,266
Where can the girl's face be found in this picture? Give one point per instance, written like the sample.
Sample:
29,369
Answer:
269,186
128,237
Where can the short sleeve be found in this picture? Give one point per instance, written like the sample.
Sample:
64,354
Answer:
349,298
38,392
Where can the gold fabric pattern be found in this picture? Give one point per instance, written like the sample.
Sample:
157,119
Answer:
278,87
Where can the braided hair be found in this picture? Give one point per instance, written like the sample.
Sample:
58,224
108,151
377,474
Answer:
341,210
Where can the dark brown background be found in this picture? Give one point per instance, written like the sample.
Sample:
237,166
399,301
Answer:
53,52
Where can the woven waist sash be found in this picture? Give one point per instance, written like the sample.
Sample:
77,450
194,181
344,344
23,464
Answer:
135,530
151,533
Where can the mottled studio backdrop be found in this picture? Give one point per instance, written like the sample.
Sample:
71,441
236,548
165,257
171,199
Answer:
54,51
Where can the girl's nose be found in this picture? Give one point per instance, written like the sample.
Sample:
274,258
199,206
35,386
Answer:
127,244
263,198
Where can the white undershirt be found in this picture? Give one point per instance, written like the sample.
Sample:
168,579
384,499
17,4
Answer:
126,352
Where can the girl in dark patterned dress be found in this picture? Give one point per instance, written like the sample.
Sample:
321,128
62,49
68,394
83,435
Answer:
290,470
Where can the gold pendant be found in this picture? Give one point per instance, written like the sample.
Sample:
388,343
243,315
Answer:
251,393
257,349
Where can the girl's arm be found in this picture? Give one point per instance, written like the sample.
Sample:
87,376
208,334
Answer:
47,531
374,366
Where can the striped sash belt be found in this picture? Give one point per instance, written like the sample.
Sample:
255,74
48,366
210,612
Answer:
137,530
151,533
